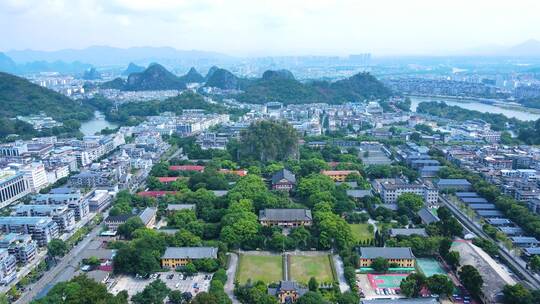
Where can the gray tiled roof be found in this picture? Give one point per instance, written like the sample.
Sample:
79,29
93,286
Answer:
426,216
147,214
453,182
386,252
470,200
283,174
407,232
285,215
190,253
174,207
359,193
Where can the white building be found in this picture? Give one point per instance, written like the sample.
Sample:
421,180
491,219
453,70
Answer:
13,186
36,175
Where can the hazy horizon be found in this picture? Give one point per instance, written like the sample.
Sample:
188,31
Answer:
270,28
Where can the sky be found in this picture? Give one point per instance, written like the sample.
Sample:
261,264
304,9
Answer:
275,27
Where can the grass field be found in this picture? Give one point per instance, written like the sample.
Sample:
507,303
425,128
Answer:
305,267
260,267
361,232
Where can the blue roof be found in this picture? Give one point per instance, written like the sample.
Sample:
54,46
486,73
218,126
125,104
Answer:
490,213
482,206
498,221
466,194
532,251
524,239
454,182
478,200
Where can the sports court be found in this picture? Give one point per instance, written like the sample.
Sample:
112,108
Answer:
386,280
430,267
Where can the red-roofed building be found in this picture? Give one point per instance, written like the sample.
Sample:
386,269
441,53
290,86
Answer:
338,175
241,172
156,193
167,180
187,168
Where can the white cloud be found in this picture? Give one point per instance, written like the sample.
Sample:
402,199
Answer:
269,27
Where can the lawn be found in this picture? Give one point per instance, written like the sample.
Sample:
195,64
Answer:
361,232
266,268
305,267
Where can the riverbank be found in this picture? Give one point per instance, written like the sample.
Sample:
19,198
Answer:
96,124
497,107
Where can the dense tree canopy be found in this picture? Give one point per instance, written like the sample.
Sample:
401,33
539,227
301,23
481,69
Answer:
267,140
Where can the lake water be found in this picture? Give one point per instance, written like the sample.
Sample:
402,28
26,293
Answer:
477,106
97,124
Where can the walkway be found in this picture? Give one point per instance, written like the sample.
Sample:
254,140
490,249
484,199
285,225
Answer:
338,264
231,273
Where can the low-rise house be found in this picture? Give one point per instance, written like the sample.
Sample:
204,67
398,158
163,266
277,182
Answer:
339,175
285,217
187,168
167,180
426,216
482,206
489,213
148,217
287,291
358,194
177,207
395,232
401,256
283,180
180,256
454,184
113,221
499,222
525,241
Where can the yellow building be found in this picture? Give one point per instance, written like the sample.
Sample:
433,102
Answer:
401,256
288,291
339,175
180,256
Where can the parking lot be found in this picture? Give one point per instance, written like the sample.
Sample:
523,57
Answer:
174,280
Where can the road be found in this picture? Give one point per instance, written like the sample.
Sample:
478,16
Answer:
231,273
503,253
62,269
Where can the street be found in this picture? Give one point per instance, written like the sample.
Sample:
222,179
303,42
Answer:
64,267
504,254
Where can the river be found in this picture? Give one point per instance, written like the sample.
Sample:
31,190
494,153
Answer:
470,104
97,124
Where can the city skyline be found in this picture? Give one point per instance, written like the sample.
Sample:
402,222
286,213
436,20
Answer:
243,28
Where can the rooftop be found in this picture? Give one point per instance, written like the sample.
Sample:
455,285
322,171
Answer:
283,174
285,214
453,181
386,252
426,216
466,194
190,253
359,193
175,207
407,232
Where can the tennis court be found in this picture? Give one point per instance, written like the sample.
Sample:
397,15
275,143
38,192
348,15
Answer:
386,280
429,267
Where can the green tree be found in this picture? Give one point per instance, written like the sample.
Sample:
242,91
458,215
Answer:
412,284
126,229
440,284
535,263
313,285
410,202
81,290
189,269
311,297
471,279
153,293
517,294
348,297
380,265
57,248
452,258
175,297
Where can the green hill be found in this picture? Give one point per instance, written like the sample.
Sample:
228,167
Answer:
132,68
282,87
192,76
18,96
155,77
223,79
